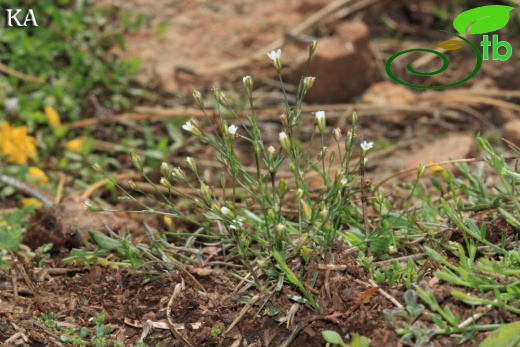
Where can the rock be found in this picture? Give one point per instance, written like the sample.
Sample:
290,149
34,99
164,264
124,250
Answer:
342,65
389,93
456,146
511,131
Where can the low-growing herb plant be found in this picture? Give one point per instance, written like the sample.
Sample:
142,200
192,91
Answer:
267,219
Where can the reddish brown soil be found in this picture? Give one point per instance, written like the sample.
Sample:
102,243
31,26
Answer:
203,36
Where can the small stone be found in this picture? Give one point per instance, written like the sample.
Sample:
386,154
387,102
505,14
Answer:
456,146
342,64
511,131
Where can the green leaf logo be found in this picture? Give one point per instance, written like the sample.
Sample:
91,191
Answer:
483,19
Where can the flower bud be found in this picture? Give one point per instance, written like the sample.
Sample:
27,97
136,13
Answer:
312,47
420,172
307,211
320,119
308,82
337,134
282,188
354,119
165,169
165,183
89,206
299,195
285,142
226,212
191,164
205,193
248,84
221,98
199,101
324,214
133,186
284,120
305,253
98,168
179,175
136,160
271,151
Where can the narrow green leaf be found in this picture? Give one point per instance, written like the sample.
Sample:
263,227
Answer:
483,19
105,242
509,218
291,277
434,254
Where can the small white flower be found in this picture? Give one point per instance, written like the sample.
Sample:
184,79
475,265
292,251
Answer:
232,130
225,211
236,223
271,150
344,182
320,115
11,104
245,79
367,145
283,136
188,126
274,55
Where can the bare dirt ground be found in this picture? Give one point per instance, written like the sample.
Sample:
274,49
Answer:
208,44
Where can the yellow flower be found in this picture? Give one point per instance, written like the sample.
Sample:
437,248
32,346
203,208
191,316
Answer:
31,201
37,176
168,222
75,145
52,117
16,145
436,168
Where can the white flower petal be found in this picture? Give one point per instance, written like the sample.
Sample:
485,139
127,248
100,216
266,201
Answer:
367,145
320,114
188,126
232,130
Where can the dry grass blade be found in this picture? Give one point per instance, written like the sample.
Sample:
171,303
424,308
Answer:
512,145
174,331
244,310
